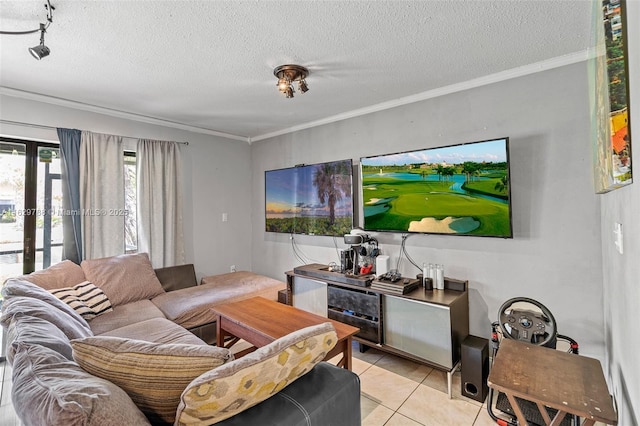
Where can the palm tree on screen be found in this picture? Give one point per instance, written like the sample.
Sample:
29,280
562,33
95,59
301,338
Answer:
332,181
502,184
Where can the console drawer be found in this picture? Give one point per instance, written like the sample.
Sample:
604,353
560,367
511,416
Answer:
369,329
355,301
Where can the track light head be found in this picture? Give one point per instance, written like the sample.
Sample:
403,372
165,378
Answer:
289,92
40,51
283,84
302,86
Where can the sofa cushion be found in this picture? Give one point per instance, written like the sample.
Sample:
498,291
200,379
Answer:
48,389
62,274
125,278
156,330
246,281
191,307
177,277
123,315
37,308
85,298
154,375
19,287
35,330
227,390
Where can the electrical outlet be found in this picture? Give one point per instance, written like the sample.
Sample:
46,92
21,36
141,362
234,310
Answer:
233,268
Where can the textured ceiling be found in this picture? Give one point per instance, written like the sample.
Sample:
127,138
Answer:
209,64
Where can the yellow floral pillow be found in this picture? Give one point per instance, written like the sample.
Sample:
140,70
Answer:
238,385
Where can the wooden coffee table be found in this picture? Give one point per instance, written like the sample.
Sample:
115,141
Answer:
260,321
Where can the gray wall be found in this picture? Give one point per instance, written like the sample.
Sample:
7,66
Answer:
213,179
555,256
622,271
562,243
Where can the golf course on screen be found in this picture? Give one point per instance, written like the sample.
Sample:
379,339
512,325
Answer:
461,189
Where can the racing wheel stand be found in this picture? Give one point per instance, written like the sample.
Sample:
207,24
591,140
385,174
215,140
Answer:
528,321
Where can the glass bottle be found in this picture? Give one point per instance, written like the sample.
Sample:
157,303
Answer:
440,277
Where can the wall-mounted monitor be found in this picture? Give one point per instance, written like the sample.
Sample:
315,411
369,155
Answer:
460,189
311,199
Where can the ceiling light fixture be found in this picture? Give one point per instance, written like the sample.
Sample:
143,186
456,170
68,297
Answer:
40,51
287,75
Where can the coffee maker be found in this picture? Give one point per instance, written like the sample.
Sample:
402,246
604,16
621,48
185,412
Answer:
346,260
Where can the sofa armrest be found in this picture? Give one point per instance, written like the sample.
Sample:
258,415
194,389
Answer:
327,395
177,277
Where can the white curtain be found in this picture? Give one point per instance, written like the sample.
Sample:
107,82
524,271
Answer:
102,195
159,187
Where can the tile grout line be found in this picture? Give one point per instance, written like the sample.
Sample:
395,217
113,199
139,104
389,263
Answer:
405,400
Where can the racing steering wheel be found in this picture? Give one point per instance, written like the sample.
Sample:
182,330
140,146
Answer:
531,326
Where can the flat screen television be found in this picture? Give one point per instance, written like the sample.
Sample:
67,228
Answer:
313,199
460,189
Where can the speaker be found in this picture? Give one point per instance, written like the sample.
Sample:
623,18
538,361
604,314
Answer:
474,368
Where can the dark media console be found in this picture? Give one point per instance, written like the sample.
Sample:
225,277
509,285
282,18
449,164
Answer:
426,326
316,270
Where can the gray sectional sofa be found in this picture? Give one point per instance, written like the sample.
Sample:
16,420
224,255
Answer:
144,359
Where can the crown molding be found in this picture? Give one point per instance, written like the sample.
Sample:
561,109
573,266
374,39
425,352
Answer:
549,64
115,113
541,66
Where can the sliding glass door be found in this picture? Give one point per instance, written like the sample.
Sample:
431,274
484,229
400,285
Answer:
30,206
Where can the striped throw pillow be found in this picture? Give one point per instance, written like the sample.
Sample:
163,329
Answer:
85,298
152,374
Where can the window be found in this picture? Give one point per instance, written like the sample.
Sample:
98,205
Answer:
130,199
30,206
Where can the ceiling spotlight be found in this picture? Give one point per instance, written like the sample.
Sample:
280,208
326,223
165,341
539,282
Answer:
288,93
302,86
287,75
40,51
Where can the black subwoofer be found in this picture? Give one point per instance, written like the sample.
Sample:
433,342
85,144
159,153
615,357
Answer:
474,368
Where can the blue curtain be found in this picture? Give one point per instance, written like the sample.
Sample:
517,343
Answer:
70,177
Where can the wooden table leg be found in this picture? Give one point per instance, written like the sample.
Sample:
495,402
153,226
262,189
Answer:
347,353
342,347
558,418
219,333
544,413
522,420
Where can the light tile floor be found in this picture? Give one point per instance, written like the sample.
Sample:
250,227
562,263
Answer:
395,392
399,392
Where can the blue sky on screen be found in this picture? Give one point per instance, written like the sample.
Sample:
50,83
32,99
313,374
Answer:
489,151
291,191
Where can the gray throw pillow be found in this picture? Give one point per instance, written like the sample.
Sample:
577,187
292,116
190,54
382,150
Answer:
37,308
125,278
18,287
35,330
48,389
63,274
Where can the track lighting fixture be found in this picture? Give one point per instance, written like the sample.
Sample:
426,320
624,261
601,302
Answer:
287,75
40,51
